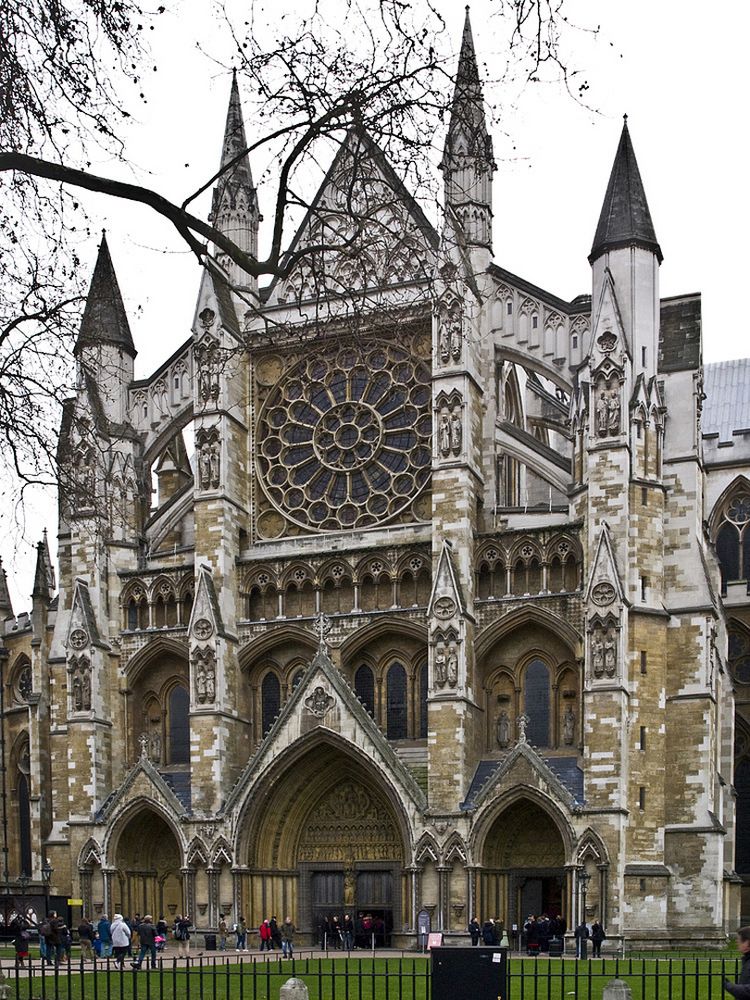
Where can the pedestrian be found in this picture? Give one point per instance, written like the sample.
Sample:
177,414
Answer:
348,932
741,989
134,938
488,931
162,927
475,931
53,938
264,932
21,938
120,935
581,935
147,942
86,935
287,938
597,936
241,929
275,933
182,927
104,930
223,931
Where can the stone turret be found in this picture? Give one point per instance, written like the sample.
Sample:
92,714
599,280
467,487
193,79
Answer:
468,162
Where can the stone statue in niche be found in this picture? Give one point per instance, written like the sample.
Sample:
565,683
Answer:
522,722
155,746
441,665
502,729
205,676
200,683
215,464
210,682
613,412
444,341
569,726
208,374
445,434
610,653
597,654
456,432
455,334
452,666
80,684
204,465
602,415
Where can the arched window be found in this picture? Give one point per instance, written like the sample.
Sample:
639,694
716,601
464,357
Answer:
733,539
742,818
179,725
396,702
24,824
364,688
537,703
423,681
132,615
270,696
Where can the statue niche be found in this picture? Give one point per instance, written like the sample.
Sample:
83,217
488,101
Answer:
79,683
607,407
204,671
450,428
209,458
603,648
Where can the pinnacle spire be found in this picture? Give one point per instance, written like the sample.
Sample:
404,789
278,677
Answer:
234,207
468,161
625,219
104,318
6,607
41,578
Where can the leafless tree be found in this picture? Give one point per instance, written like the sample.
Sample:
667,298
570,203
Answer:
376,68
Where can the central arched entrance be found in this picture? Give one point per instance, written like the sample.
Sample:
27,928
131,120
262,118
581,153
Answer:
147,858
327,840
523,865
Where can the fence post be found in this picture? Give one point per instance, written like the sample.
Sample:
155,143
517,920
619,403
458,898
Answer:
294,989
617,989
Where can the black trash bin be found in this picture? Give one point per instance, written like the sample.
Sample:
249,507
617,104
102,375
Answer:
555,947
209,942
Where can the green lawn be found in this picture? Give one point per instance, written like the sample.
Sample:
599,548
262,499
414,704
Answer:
676,978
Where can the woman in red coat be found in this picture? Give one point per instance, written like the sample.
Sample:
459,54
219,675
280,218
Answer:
266,935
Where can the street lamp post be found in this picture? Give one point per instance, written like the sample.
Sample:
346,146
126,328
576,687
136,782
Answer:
47,871
583,881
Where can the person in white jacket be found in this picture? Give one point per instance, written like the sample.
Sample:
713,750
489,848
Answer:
120,939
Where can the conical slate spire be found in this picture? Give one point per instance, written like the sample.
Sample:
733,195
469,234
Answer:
104,318
625,219
6,608
41,578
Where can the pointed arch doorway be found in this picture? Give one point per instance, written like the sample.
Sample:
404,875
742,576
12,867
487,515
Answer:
328,840
523,866
147,859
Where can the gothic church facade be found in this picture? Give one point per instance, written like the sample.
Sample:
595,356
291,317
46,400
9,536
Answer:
448,608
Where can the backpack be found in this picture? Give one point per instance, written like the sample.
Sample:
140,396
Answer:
45,929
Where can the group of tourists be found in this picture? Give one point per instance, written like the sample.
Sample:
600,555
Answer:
347,934
491,932
540,930
274,935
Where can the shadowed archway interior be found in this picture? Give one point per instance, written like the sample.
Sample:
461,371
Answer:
147,858
523,864
326,837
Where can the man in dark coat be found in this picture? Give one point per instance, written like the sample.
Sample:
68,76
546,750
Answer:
741,989
147,938
581,936
475,931
597,936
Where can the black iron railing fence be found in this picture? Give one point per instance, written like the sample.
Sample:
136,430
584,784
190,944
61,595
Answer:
404,977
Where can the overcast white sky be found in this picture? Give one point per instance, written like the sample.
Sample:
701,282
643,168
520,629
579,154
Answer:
676,68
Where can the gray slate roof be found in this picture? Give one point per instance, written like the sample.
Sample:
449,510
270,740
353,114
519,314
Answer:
727,405
625,219
566,769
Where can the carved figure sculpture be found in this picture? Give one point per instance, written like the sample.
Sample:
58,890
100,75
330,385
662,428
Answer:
522,722
456,432
597,655
444,341
569,726
455,335
85,687
200,683
452,666
441,665
210,682
215,464
445,435
610,654
204,463
502,729
613,412
602,415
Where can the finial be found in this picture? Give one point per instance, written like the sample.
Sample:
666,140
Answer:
625,119
522,722
322,626
144,741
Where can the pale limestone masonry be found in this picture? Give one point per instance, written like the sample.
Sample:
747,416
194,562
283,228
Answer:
426,611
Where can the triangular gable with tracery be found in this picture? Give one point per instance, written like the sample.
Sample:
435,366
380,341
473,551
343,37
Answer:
367,230
323,699
605,585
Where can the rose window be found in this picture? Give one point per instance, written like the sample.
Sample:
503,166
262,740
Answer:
344,438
